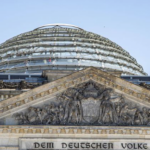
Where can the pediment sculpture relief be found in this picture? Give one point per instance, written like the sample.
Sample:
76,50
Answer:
86,104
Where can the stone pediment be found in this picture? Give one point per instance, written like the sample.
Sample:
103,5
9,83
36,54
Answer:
87,97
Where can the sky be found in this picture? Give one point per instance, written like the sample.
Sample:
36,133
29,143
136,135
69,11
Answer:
125,22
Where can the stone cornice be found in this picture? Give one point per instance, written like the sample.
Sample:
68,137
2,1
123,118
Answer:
140,94
54,130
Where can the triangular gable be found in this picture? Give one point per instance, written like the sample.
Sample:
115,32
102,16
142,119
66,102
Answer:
135,96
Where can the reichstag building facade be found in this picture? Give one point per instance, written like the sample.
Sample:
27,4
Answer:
64,88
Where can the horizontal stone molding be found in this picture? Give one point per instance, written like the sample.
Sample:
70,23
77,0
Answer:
103,130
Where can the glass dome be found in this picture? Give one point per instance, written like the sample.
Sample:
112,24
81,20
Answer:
64,47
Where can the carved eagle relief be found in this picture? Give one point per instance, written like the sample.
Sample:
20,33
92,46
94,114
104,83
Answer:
88,103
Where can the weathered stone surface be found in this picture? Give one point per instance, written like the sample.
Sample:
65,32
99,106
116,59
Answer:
10,135
109,99
87,103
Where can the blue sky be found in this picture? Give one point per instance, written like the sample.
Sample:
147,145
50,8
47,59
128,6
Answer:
126,22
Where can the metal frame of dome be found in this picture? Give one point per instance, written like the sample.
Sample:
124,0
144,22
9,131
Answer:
58,25
77,47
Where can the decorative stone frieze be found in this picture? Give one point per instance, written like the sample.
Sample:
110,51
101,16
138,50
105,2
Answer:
74,130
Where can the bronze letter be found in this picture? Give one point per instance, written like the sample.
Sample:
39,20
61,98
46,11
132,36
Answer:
36,145
64,145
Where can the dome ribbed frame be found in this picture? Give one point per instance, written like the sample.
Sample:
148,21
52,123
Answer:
60,48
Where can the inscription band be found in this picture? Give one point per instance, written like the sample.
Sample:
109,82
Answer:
83,144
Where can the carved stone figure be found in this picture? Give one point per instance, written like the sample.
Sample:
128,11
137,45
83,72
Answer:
1,84
10,85
22,85
143,84
25,85
61,114
108,112
127,115
22,119
132,112
32,115
138,118
125,118
148,122
145,115
54,112
73,111
41,114
118,108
